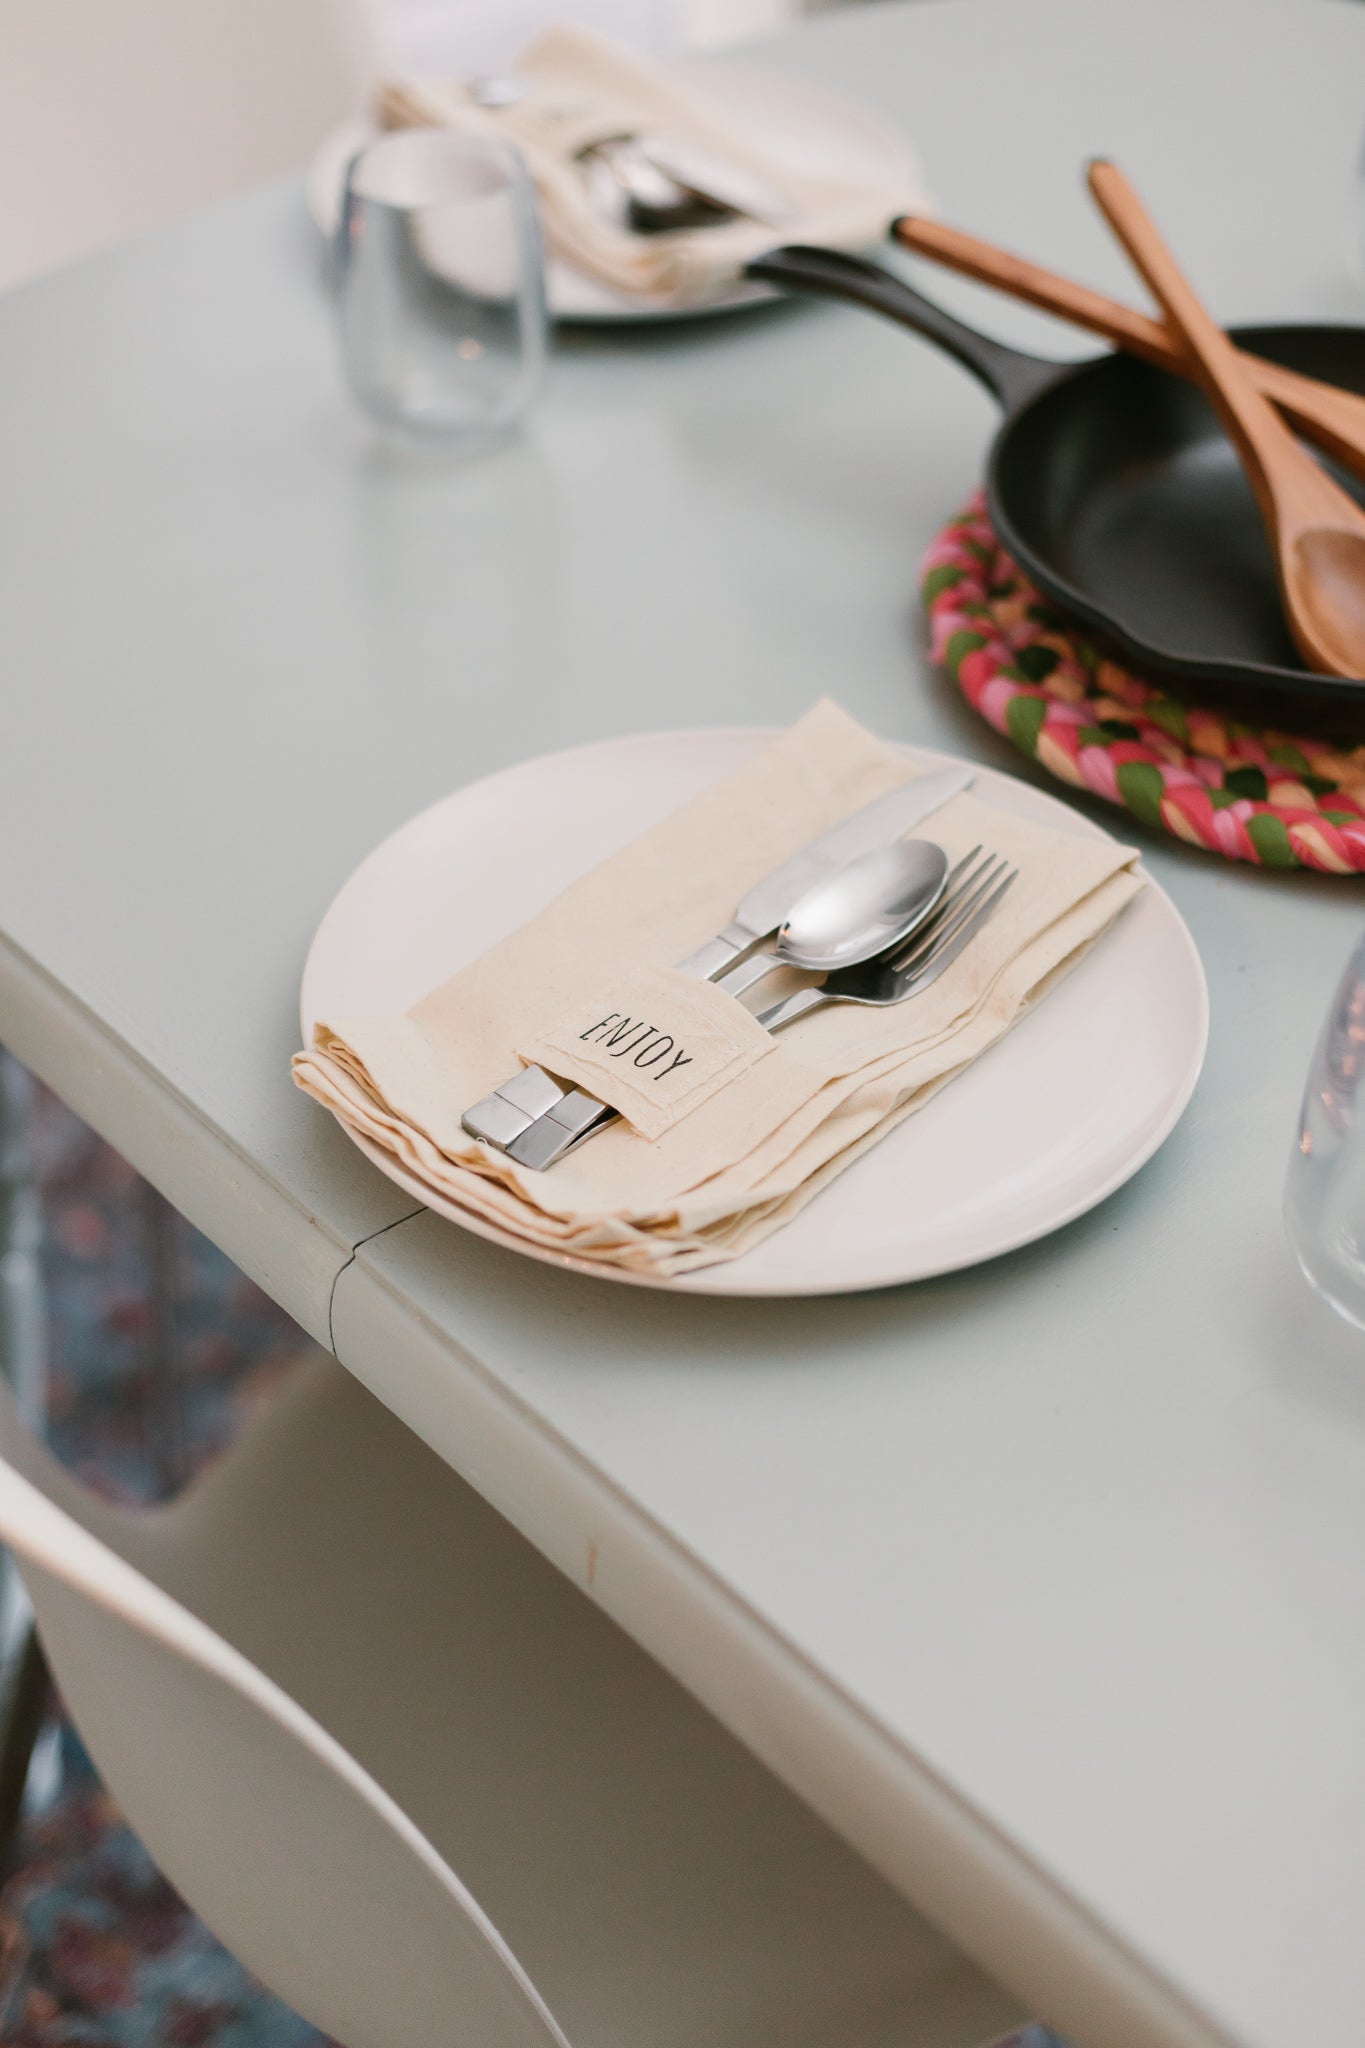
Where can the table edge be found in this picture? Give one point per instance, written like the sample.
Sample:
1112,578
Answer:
1011,1917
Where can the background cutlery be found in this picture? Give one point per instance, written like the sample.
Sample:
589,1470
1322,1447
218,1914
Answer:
717,180
516,1103
1317,532
627,176
495,90
1118,494
656,186
629,185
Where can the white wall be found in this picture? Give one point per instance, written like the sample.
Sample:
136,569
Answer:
438,36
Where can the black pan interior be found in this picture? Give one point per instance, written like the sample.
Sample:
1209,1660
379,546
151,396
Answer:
1116,487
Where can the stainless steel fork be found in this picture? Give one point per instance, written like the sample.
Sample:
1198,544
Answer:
975,890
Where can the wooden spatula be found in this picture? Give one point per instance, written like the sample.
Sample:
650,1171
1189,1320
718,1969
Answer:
1332,419
1316,531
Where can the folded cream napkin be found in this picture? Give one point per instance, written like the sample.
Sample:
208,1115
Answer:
728,1131
577,89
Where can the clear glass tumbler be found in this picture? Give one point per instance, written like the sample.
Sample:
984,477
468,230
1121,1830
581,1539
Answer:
1325,1193
440,283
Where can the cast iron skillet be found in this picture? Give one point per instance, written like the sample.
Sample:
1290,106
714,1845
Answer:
1113,487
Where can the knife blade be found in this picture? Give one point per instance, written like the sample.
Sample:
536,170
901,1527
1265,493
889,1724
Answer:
501,1118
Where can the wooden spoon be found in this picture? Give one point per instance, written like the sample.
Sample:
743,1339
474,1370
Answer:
1317,532
1331,418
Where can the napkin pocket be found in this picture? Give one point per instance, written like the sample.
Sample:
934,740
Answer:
654,1044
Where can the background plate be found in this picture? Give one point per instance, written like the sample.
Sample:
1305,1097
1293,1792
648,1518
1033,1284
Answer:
805,128
1054,1118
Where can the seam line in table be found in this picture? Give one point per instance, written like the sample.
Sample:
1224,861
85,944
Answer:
347,1263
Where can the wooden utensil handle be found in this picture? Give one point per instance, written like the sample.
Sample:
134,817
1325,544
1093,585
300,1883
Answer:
1044,289
1217,362
1332,418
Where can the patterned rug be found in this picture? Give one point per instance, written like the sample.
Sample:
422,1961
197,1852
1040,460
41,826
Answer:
96,1950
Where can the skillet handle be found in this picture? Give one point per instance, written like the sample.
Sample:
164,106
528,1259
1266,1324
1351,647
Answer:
1008,374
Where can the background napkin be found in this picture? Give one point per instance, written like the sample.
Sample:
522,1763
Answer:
580,89
751,1152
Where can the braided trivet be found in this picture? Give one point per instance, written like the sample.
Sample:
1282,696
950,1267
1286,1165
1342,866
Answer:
1236,789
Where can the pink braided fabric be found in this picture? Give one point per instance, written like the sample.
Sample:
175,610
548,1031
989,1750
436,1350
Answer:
1240,790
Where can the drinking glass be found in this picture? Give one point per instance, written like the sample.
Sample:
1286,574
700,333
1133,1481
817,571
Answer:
1325,1194
441,294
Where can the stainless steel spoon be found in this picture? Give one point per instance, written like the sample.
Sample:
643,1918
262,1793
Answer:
861,910
625,181
655,186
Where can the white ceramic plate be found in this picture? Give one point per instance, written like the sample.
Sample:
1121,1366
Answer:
1054,1118
803,126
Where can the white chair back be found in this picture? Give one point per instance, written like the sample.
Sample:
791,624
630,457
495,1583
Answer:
118,114
347,1911
331,1676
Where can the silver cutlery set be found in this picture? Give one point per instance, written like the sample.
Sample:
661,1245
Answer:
653,185
878,915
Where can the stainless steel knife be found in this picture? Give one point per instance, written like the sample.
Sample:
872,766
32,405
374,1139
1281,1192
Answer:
534,1097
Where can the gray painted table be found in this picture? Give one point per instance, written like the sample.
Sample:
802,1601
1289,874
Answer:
1043,1582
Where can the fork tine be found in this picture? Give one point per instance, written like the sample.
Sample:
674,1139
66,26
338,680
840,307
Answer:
950,915
928,971
961,881
957,881
953,873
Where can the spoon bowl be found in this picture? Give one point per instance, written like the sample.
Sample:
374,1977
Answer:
1316,531
853,914
630,187
1326,569
864,908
